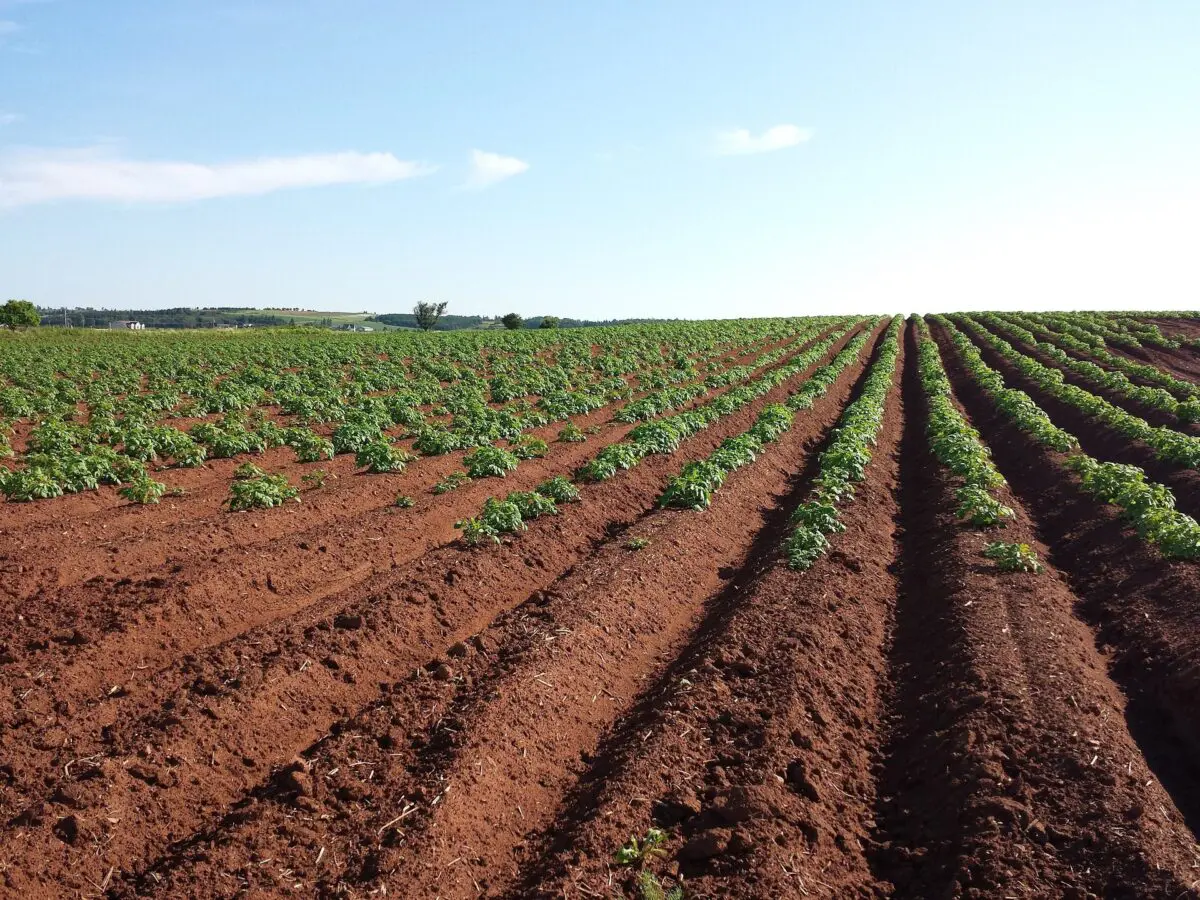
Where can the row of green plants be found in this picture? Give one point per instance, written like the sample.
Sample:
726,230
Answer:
70,451
843,463
496,462
1115,381
665,434
956,444
959,447
1167,444
659,436
1117,330
1180,389
1148,506
1015,404
694,486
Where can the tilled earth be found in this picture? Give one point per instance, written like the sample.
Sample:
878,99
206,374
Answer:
340,699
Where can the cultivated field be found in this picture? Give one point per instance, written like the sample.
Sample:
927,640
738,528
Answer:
826,607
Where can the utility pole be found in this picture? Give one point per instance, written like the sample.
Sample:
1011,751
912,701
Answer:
66,323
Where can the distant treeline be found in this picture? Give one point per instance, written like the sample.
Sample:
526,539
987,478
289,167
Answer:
211,317
180,317
456,323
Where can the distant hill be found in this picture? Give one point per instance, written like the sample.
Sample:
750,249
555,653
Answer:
212,317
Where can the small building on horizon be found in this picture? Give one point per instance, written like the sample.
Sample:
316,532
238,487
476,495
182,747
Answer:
127,324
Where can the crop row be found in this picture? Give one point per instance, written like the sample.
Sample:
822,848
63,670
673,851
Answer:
1166,443
1180,389
694,486
1117,382
844,462
1148,506
955,443
658,436
67,456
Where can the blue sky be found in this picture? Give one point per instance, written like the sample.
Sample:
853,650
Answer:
625,158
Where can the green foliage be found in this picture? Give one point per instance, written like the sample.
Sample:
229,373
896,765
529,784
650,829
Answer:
403,501
637,543
143,489
309,446
512,321
571,434
19,314
1148,506
529,447
1013,557
30,484
693,487
1167,443
490,462
499,517
380,456
451,482
635,851
956,444
844,461
261,492
532,504
1016,405
356,433
979,508
559,489
247,470
609,461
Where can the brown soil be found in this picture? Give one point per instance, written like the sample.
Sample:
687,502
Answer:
1101,441
179,744
353,704
493,743
112,622
1008,768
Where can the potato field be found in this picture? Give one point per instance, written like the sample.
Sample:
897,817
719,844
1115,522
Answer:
813,607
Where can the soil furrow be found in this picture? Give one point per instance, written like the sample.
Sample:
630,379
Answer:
752,751
131,539
515,720
101,629
1007,765
1140,606
174,750
1099,440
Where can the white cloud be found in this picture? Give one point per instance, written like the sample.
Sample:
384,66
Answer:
42,176
740,141
489,168
8,119
8,27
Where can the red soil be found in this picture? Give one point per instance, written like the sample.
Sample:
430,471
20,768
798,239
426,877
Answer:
339,699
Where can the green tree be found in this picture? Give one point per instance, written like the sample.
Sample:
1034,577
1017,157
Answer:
549,322
512,321
427,314
19,314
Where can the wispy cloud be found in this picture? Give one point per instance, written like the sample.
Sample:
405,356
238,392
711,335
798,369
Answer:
43,176
7,27
489,168
740,141
8,118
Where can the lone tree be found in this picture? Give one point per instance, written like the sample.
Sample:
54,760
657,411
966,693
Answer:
19,314
512,321
549,322
427,314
